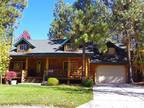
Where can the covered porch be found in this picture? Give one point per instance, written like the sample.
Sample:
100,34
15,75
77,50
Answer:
38,69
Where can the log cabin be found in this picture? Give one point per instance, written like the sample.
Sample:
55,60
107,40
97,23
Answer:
37,60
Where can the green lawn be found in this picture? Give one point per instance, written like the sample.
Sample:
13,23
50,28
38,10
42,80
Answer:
61,96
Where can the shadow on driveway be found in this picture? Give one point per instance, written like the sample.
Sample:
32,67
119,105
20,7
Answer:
120,89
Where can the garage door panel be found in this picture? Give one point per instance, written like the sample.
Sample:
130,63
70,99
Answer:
110,74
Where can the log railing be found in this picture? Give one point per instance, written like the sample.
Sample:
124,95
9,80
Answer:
76,74
58,73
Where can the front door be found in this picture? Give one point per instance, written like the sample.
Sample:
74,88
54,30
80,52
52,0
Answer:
35,68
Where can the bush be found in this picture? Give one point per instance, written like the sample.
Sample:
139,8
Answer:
53,81
10,75
87,83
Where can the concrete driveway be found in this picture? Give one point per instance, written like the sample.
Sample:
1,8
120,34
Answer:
116,96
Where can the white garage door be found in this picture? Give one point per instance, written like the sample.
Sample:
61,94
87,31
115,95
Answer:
110,74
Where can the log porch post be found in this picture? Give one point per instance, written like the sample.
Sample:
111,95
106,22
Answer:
25,72
47,63
87,67
69,70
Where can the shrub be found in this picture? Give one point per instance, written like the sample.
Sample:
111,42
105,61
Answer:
53,81
87,83
10,75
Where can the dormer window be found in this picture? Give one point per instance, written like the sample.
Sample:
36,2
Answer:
23,47
69,47
111,51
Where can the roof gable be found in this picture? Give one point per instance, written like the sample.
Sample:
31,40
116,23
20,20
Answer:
23,40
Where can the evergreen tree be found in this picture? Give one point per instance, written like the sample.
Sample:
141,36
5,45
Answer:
85,21
62,20
127,22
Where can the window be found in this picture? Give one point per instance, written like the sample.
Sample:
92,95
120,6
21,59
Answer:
38,67
111,51
69,47
23,47
74,66
18,66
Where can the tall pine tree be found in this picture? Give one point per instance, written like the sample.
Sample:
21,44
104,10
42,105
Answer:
85,21
127,22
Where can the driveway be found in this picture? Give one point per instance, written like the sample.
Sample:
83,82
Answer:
116,96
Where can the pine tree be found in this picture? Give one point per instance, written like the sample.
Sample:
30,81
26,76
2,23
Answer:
85,21
62,19
127,22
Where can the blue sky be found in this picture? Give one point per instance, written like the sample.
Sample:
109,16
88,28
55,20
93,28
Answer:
37,18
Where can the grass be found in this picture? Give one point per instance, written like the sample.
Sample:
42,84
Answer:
61,96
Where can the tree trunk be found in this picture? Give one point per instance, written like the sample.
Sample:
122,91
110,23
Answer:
0,79
129,60
83,62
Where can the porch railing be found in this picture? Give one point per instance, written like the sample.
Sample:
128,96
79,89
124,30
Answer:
76,74
59,73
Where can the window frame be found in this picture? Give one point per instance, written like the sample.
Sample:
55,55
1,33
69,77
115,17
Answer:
23,47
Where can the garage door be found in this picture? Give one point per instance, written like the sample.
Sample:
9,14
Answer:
110,74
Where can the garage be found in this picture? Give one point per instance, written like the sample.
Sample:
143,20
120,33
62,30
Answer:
110,74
